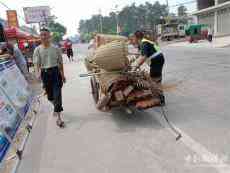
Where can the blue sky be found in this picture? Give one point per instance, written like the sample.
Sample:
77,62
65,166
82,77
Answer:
69,12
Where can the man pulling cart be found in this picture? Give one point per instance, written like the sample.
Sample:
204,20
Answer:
113,81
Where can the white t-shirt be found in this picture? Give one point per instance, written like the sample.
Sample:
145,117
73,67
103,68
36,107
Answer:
47,57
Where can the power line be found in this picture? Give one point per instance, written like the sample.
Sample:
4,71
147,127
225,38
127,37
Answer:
184,3
3,4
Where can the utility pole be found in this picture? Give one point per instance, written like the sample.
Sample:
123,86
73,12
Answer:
101,24
167,3
117,20
116,11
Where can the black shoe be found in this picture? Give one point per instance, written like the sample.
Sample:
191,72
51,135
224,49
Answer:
162,100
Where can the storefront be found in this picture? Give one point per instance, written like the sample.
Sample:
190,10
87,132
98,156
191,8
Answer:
216,17
223,21
16,36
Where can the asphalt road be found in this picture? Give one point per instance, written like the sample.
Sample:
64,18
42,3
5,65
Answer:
197,85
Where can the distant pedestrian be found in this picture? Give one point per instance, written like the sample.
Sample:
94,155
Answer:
28,54
210,34
49,64
33,46
69,49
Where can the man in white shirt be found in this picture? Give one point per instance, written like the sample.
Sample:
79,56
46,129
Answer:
48,62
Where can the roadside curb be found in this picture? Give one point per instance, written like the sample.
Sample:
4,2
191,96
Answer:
226,46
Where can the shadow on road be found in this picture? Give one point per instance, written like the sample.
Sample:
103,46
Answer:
124,121
77,122
132,122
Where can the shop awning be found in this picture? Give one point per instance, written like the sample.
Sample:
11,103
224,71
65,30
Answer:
16,33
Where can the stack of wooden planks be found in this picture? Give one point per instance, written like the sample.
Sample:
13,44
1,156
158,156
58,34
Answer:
128,89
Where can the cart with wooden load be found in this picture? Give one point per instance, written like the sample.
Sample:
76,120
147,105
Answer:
113,81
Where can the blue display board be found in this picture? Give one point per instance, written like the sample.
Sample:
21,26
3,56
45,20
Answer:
15,100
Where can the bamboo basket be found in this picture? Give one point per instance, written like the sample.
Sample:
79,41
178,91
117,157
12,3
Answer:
90,66
102,39
112,56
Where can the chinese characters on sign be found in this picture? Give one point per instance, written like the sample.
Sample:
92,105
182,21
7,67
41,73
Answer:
36,14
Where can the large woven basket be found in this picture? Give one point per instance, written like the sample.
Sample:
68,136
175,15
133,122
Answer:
90,66
102,39
112,56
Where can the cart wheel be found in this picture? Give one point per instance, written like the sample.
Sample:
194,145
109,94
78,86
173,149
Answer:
95,89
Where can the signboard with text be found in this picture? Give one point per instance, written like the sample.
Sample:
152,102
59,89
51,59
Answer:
12,18
36,14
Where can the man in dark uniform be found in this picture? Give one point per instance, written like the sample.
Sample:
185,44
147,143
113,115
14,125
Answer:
150,53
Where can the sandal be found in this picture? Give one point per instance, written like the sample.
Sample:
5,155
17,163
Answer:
60,123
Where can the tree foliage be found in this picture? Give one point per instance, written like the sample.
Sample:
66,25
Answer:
130,19
58,30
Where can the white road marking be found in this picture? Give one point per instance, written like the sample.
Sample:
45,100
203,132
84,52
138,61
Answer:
210,159
201,151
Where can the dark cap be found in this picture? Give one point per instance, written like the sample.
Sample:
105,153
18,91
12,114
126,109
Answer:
139,34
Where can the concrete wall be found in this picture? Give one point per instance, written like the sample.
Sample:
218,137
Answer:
207,19
218,20
223,21
222,24
202,4
222,1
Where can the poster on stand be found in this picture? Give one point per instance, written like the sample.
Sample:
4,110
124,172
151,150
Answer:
15,99
15,86
9,123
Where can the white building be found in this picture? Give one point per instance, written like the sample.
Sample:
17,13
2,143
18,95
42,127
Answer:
216,14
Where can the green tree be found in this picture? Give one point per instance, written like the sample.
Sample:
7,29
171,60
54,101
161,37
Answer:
56,37
130,19
58,30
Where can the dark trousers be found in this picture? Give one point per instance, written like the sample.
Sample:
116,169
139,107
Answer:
70,53
52,83
210,38
156,66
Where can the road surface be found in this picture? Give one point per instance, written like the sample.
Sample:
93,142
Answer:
197,92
